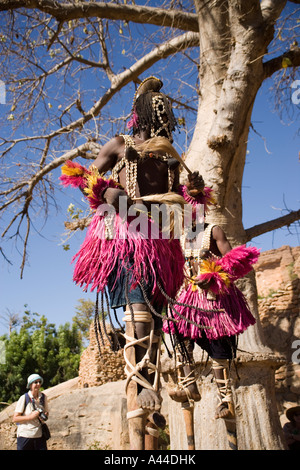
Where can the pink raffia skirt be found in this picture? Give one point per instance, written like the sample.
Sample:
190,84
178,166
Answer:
153,260
234,319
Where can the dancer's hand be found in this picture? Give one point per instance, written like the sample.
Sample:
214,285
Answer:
195,183
202,283
112,196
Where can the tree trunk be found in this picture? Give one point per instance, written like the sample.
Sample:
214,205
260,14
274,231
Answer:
233,39
230,77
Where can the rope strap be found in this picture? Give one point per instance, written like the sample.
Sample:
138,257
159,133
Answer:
133,371
225,393
184,381
153,432
136,413
138,316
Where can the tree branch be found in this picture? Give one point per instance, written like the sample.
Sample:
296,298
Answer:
274,224
31,184
288,59
80,224
111,11
119,81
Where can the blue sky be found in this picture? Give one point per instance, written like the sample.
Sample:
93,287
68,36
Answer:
271,181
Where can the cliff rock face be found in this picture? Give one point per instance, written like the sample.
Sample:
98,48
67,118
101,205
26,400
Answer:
278,285
276,269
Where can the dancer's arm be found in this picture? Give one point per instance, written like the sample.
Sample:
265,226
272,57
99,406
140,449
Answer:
220,240
104,162
108,155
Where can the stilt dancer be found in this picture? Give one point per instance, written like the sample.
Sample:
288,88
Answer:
212,269
144,168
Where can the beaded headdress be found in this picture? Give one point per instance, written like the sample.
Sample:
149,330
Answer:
151,110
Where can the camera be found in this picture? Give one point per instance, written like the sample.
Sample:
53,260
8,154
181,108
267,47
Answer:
43,416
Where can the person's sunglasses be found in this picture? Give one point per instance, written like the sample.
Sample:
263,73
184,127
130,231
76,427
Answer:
37,382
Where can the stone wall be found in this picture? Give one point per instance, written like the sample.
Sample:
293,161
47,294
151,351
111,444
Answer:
276,269
98,369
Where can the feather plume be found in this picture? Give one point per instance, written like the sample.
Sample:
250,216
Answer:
73,174
96,185
218,279
239,261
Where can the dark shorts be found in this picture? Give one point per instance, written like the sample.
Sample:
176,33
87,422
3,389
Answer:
223,348
119,297
31,443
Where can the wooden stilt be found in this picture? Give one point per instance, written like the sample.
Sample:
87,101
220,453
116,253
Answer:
230,423
155,422
231,433
136,425
188,414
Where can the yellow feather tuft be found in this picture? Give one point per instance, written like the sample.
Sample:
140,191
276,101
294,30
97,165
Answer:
212,200
210,267
71,171
91,181
194,286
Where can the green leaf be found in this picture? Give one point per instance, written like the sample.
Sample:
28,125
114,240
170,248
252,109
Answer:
286,62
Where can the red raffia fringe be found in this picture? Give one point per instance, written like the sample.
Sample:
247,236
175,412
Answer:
74,174
234,319
221,272
153,259
205,197
236,316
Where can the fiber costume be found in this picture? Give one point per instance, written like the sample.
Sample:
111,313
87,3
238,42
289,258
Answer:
222,310
115,248
234,315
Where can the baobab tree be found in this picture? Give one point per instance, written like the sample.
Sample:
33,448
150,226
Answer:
229,48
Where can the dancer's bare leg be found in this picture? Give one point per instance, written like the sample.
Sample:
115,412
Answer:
187,387
141,397
146,398
225,408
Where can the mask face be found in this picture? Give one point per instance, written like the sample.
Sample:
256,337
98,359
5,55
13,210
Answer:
160,123
152,112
